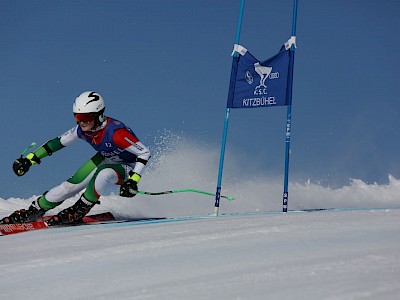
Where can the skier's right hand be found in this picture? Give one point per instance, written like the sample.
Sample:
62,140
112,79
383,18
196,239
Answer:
21,165
128,188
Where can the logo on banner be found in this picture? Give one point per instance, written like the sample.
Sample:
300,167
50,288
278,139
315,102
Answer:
264,73
249,77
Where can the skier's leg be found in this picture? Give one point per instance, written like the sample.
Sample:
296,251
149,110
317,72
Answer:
72,186
104,175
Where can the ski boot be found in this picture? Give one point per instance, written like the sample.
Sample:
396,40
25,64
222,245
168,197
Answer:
72,214
32,214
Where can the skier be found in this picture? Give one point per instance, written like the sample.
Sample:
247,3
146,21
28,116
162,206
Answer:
120,159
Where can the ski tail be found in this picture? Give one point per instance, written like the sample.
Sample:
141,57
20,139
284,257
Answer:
7,229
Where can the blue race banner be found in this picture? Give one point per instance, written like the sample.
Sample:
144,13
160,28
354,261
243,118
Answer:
258,84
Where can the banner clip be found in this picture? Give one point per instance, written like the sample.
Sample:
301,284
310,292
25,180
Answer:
290,42
239,49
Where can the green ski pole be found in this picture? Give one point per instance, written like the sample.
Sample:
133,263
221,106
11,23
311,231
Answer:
230,198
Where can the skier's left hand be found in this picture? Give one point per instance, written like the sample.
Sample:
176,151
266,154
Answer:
128,189
21,165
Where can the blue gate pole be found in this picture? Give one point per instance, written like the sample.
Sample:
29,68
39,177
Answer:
224,135
289,111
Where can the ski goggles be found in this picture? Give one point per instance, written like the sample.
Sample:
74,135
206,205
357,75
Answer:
85,118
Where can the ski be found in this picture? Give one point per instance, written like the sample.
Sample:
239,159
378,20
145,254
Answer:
7,229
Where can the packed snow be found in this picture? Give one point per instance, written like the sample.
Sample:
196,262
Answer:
250,251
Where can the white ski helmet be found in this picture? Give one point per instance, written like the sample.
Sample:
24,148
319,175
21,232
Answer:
90,102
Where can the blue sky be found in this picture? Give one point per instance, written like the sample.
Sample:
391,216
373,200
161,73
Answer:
166,65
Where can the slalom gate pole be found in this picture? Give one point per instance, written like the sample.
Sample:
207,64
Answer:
33,144
289,111
230,198
222,155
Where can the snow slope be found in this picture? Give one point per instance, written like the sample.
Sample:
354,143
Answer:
310,255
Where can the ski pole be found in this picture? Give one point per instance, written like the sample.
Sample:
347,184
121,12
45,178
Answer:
33,144
230,198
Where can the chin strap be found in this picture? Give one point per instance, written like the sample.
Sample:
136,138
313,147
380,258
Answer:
99,127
